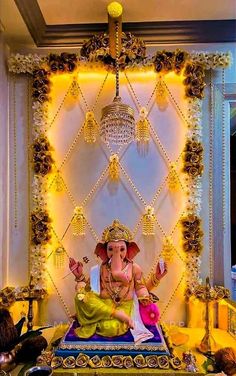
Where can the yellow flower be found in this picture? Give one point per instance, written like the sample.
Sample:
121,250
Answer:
114,9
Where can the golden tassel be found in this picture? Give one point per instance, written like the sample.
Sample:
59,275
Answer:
59,257
149,220
58,183
168,249
161,94
142,128
74,88
90,128
78,222
173,180
114,172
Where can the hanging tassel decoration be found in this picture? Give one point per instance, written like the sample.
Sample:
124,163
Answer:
161,94
142,127
168,249
59,257
114,168
58,183
149,220
173,180
78,222
90,128
74,88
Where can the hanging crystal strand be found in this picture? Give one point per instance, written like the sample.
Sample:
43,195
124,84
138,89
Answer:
58,183
161,94
149,220
90,128
114,172
59,257
168,249
78,222
74,88
142,128
173,181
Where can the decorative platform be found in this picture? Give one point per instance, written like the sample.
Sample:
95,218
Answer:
119,352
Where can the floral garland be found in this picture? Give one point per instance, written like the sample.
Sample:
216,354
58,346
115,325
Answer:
192,158
96,49
42,158
10,295
107,361
133,55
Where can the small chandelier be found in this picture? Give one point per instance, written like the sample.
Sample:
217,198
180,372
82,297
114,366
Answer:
117,123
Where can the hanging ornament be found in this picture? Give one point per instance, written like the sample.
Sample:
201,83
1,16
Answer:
173,180
59,257
168,249
114,172
161,94
74,88
78,222
58,183
149,220
142,128
90,128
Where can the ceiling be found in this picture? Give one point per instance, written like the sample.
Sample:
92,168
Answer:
54,23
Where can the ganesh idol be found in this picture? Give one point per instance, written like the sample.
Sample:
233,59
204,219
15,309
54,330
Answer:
115,297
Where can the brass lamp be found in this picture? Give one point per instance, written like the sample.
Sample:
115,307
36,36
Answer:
117,122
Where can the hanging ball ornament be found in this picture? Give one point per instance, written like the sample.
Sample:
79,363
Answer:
114,9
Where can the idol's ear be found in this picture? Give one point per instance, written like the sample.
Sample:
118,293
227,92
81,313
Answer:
101,251
132,250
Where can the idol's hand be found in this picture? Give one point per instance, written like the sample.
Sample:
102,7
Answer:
160,271
76,267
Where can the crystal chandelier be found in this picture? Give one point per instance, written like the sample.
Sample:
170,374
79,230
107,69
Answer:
117,123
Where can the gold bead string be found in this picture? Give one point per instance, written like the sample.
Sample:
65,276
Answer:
93,232
137,101
176,105
29,177
60,106
97,97
156,138
210,174
158,192
72,146
133,185
95,187
223,152
172,296
135,230
65,307
15,155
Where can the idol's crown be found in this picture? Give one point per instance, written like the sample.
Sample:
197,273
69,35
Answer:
116,232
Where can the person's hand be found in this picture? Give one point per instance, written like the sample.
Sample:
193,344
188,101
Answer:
159,273
76,267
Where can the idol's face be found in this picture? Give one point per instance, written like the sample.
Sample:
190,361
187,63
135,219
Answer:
117,249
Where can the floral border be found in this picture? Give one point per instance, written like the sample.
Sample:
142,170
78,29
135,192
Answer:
192,65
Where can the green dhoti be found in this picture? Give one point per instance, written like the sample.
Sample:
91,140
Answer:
94,314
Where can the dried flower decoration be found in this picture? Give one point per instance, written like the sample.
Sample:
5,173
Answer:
192,234
42,158
193,156
41,85
167,61
96,49
216,293
194,82
40,227
63,63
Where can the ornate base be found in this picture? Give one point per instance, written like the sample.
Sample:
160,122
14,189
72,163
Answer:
115,353
208,345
